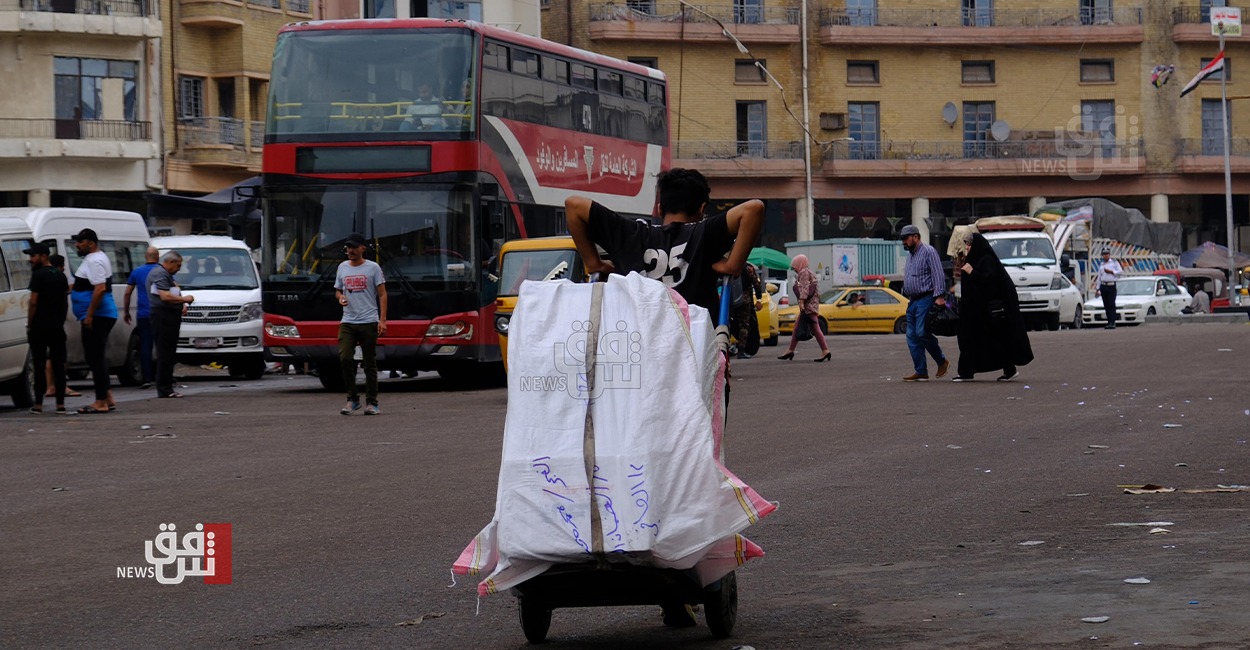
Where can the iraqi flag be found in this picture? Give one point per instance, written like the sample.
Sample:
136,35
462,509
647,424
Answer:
1216,65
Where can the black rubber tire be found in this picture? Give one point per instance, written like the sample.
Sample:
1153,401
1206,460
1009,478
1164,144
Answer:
900,325
771,341
1079,320
331,376
1052,322
720,606
251,368
1151,311
535,619
131,371
22,387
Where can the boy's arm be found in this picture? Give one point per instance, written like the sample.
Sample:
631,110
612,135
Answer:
577,214
745,221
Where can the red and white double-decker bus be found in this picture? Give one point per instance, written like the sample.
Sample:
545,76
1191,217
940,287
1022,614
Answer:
437,140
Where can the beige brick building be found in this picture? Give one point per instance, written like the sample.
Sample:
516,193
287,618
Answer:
937,111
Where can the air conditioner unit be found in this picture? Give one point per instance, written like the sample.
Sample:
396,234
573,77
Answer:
833,121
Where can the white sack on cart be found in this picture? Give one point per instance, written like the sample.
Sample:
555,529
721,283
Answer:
662,497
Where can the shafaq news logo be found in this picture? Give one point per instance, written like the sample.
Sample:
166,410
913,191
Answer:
204,552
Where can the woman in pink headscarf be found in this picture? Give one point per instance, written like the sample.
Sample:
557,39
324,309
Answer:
808,293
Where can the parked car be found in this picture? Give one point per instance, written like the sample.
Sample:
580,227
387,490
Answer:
883,311
17,371
225,324
767,315
1138,298
1071,301
1213,281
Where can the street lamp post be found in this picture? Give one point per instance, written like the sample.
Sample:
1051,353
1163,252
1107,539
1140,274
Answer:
1234,298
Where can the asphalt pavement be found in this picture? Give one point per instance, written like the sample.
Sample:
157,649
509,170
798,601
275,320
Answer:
931,515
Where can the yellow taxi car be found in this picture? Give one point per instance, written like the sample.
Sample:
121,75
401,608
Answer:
768,316
846,310
540,258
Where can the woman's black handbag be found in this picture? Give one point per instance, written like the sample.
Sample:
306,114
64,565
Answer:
942,320
803,327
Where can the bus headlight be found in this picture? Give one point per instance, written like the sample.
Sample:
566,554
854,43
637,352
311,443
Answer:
250,311
458,328
501,323
282,331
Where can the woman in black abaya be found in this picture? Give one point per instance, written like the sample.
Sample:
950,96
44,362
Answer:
992,335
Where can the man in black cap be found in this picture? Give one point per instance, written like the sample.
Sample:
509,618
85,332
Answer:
45,324
92,299
924,284
360,288
1109,273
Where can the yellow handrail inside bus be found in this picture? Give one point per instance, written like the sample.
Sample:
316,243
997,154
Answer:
286,258
307,252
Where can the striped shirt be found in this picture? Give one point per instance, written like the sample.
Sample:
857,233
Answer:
923,273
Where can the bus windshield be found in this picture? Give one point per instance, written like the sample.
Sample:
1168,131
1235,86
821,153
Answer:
421,236
384,81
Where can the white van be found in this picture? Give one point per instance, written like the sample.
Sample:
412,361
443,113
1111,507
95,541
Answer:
124,238
224,324
16,369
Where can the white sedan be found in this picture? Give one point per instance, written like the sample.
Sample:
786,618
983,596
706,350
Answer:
1138,298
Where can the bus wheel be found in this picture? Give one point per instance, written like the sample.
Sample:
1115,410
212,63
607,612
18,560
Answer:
331,375
474,375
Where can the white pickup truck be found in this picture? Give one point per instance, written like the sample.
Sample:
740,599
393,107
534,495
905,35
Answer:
1024,246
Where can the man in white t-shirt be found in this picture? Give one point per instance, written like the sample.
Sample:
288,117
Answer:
92,299
1109,273
361,290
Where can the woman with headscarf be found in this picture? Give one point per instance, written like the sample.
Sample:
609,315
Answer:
808,293
992,335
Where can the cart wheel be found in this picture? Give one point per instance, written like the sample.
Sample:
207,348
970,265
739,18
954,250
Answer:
720,605
535,619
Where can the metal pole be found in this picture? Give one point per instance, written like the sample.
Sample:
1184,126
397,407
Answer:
1228,180
807,228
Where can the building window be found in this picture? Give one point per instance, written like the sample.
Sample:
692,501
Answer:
1226,73
379,9
978,118
1213,127
978,72
454,9
1098,119
649,61
752,129
642,6
862,72
1095,12
861,13
1205,7
190,97
746,72
297,6
95,89
1097,70
978,13
864,129
748,12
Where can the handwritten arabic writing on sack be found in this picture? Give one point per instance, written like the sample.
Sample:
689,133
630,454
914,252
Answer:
566,500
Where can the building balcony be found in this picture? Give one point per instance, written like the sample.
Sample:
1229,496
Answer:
215,14
735,158
636,20
955,26
1206,155
1073,157
52,138
130,18
217,142
1192,24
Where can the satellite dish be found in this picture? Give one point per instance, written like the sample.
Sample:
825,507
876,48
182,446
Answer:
1000,130
950,113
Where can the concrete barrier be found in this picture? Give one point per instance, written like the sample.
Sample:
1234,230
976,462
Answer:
1189,319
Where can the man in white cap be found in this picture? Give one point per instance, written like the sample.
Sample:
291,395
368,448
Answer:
1109,273
924,284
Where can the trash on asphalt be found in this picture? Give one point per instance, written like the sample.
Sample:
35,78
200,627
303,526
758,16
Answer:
1137,581
1216,489
1182,465
58,489
1193,602
221,412
163,434
145,427
953,447
1160,531
1099,447
1147,523
1095,619
1032,542
1172,426
1235,486
1149,488
419,619
1077,494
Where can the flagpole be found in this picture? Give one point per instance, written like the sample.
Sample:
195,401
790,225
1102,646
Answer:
1228,180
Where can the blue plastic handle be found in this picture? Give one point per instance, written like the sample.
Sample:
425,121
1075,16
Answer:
724,301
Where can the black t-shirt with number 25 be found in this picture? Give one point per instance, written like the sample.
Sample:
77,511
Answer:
678,254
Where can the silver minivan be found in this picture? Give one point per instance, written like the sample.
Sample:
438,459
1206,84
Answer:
16,368
124,238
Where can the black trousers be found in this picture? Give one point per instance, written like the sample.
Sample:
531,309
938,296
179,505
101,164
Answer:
95,348
48,344
165,326
1108,301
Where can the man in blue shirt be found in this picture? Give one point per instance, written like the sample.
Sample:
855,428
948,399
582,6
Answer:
924,284
139,278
